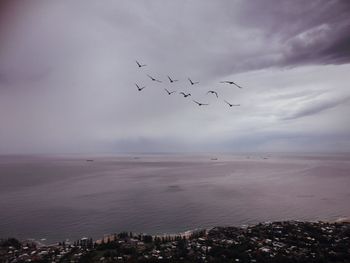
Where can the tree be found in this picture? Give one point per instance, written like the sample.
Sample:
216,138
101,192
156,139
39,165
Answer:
147,239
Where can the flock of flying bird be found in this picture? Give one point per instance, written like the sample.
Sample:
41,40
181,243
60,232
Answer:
185,95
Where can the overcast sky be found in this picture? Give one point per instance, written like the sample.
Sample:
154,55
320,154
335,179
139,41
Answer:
68,74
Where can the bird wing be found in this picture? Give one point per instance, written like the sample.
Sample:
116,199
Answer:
213,92
137,86
196,102
137,63
182,93
227,102
170,79
237,85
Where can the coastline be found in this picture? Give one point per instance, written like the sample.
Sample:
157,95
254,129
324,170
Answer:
187,233
312,241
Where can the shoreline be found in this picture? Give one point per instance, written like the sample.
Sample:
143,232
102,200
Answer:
185,233
283,239
188,233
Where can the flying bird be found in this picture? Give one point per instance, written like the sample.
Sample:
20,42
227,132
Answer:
172,80
200,104
138,87
231,105
140,65
154,79
169,92
185,95
232,83
213,92
192,83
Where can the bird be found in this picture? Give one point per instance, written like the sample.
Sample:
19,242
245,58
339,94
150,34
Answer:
213,92
172,80
200,104
192,83
232,83
169,92
231,105
153,79
185,95
140,65
138,87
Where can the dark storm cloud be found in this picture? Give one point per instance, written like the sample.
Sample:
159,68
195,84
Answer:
326,44
212,39
299,32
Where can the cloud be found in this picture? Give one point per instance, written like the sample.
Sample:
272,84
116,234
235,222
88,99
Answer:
313,107
294,33
68,73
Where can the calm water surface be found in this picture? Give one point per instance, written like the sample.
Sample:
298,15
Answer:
59,197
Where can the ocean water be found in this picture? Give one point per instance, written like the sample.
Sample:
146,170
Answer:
59,197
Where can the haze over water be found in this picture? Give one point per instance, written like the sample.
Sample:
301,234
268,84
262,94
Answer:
59,197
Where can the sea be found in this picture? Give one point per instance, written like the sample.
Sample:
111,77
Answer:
58,197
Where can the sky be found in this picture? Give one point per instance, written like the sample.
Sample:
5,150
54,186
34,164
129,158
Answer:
68,74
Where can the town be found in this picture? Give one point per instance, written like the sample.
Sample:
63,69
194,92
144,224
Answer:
288,241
